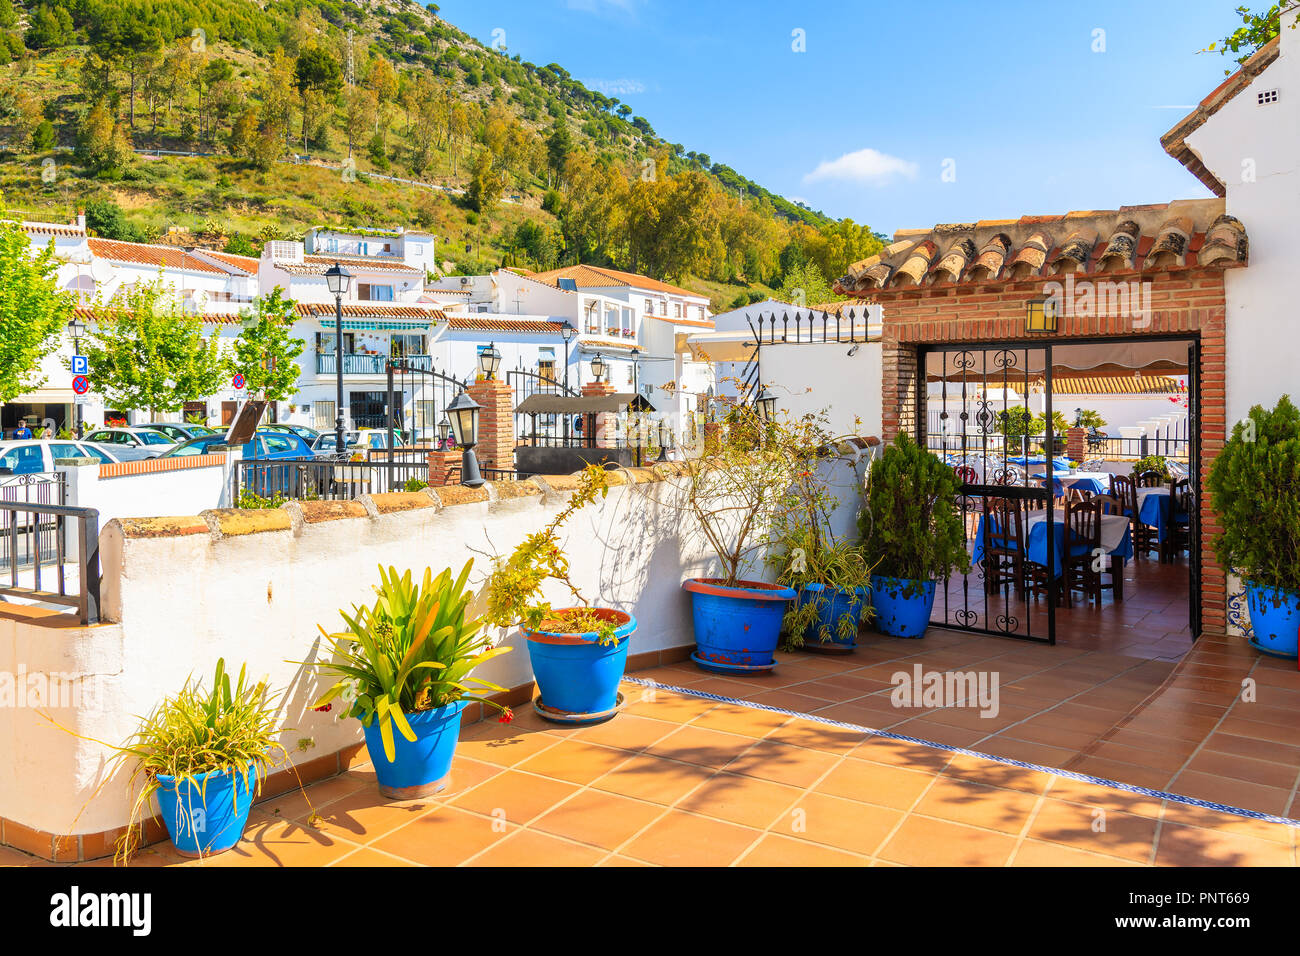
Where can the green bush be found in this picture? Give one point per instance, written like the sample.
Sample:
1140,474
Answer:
911,528
1254,488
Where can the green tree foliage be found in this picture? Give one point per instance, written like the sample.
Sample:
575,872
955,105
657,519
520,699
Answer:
1256,29
102,142
1254,487
48,28
265,352
145,351
805,286
104,218
33,311
486,183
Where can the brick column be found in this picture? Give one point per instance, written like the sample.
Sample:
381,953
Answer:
496,424
441,464
1076,444
606,427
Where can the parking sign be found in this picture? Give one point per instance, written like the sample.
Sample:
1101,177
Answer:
79,365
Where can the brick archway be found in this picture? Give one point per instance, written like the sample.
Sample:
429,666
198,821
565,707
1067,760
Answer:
1189,302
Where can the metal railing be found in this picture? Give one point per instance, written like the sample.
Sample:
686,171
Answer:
35,550
358,363
325,479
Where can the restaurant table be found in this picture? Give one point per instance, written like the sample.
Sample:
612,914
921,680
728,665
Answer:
1115,540
1062,463
1097,482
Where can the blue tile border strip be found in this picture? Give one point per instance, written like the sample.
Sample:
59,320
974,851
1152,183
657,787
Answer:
994,758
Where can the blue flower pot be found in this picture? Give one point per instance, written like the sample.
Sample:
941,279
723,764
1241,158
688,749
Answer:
1275,619
832,605
419,768
206,815
738,627
902,606
574,674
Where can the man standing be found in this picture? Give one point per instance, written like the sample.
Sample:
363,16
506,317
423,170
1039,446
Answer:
22,431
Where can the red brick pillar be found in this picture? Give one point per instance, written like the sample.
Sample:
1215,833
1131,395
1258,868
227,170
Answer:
441,464
1076,444
496,424
606,428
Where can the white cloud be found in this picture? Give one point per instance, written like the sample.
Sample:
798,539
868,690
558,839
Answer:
868,166
622,87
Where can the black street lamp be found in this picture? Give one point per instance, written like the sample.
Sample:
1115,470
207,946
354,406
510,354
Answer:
598,367
444,428
665,439
636,371
339,281
463,412
567,332
765,405
489,360
75,328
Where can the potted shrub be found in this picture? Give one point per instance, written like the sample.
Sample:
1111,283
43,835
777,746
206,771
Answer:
832,578
734,494
578,653
404,667
912,532
203,754
1157,463
1254,487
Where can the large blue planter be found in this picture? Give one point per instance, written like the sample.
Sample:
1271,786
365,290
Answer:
419,768
832,605
737,628
207,815
902,607
576,676
1275,619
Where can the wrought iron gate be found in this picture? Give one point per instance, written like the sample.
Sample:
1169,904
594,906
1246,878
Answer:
1194,482
974,412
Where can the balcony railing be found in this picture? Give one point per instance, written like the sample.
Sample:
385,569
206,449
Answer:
360,364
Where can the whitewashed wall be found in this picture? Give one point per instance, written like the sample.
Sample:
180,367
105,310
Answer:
809,378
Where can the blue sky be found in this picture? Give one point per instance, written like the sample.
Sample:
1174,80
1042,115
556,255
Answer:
1010,98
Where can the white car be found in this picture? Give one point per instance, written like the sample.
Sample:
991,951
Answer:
152,442
31,456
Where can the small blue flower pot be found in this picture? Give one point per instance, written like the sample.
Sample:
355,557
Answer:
1275,619
833,604
737,627
420,767
902,606
206,815
575,675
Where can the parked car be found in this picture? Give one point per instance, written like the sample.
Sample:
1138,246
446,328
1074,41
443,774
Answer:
378,438
327,443
309,435
31,456
270,445
153,442
177,432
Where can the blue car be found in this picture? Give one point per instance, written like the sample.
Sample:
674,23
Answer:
266,446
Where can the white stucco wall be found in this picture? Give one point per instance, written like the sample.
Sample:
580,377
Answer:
811,378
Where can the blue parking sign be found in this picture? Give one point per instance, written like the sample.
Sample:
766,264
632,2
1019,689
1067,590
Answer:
79,365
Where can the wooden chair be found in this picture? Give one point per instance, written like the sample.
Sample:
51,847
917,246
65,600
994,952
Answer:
1004,545
1124,487
1149,479
1081,545
1181,504
1110,505
966,474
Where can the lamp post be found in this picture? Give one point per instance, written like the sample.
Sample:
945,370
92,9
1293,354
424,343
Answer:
339,281
489,360
665,439
463,412
598,367
75,328
636,371
765,406
567,332
444,429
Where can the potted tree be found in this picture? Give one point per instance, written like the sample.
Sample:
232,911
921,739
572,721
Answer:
1254,487
578,653
203,754
734,494
404,670
912,532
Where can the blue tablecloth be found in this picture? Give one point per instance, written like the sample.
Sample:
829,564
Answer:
1061,463
1037,544
1154,511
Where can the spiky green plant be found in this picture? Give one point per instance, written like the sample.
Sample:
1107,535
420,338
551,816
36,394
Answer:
412,651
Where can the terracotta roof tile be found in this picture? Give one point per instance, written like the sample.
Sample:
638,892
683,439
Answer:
486,323
316,265
368,311
138,253
595,277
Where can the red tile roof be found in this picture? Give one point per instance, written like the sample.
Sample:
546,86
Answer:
90,313
369,311
316,265
69,230
599,277
485,323
246,264
138,253
1174,141
1186,234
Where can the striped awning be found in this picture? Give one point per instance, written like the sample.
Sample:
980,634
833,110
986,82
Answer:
1110,385
376,325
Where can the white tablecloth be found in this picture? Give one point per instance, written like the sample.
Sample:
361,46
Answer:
1113,528
1102,476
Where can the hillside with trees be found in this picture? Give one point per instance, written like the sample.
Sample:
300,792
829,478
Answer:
225,123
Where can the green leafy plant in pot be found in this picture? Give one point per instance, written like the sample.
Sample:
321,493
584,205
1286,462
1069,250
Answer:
204,754
578,653
1254,486
912,533
404,667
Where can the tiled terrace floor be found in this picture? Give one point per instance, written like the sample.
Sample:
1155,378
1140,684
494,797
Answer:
679,779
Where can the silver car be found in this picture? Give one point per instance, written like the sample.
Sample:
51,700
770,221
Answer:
31,456
152,442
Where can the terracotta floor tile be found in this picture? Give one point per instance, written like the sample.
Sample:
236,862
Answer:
1248,769
506,748
1036,853
368,857
364,816
1190,846
515,796
1235,793
296,805
446,837
1095,830
627,732
574,761
777,850
615,860
924,842
875,783
960,801
281,843
745,800
701,746
1181,813
814,736
737,720
979,770
782,764
837,822
901,753
602,819
681,839
654,779
1088,794
529,848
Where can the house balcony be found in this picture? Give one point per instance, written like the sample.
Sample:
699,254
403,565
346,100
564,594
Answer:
360,363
